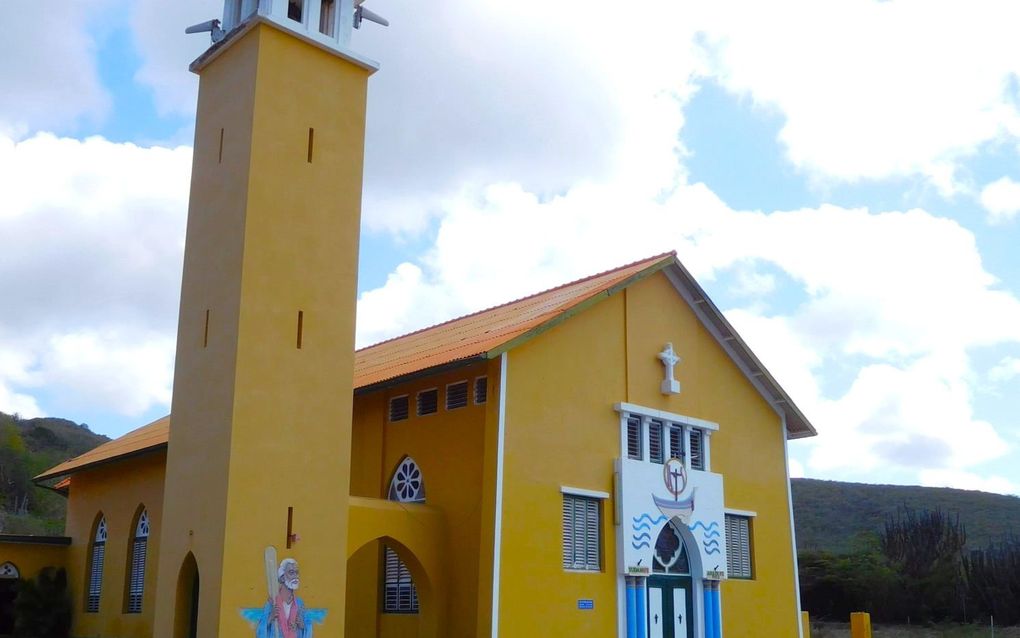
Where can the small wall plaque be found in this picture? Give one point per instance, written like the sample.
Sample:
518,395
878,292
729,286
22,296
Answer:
585,603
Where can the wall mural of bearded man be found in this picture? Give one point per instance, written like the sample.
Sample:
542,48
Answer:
284,615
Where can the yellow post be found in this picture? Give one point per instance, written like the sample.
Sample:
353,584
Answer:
860,624
805,624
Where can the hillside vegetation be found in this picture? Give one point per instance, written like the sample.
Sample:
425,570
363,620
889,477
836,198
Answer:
836,517
27,448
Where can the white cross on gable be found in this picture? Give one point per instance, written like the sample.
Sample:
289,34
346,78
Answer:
669,359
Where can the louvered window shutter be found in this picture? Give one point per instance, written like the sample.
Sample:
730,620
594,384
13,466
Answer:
655,441
400,596
697,449
738,546
591,535
676,442
96,577
582,547
568,532
137,583
634,438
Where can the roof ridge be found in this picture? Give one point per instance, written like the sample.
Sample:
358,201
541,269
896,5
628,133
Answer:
671,253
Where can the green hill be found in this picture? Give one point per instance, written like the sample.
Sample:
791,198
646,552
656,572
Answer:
28,447
830,515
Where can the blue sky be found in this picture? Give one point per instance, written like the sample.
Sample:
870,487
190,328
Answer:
855,210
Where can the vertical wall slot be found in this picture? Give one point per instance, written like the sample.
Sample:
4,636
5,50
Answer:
290,527
311,143
205,333
300,326
220,159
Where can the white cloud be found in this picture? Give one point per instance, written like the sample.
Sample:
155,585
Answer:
796,468
1006,370
93,235
968,481
873,89
49,82
873,353
1001,199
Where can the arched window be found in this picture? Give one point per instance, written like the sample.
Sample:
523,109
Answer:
670,555
407,484
136,566
400,596
95,571
9,571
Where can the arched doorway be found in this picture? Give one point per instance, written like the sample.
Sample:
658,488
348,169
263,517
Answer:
670,587
186,606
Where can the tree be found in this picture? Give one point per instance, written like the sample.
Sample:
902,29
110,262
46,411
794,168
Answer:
43,606
926,549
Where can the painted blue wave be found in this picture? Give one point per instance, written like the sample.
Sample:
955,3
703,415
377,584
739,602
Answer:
714,550
701,524
712,543
644,535
642,544
653,521
641,526
712,534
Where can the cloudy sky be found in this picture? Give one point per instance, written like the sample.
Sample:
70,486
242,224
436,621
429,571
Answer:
842,177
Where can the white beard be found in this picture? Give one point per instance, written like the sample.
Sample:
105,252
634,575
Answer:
292,584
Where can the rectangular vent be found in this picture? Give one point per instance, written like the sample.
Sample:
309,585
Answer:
456,395
481,389
428,402
634,438
399,408
697,449
655,441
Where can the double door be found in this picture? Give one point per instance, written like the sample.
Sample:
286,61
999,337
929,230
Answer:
670,607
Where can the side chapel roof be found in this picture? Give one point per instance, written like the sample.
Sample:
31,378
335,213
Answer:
487,334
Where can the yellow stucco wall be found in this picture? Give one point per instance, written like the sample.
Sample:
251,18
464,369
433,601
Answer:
448,448
30,558
561,430
259,424
117,491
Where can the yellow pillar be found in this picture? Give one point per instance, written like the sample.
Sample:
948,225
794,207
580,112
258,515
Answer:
805,624
263,385
860,624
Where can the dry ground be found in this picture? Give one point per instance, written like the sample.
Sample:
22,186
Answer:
842,630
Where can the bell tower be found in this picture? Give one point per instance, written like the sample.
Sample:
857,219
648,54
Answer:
260,433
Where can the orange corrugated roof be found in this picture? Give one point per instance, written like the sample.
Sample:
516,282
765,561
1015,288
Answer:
491,331
149,436
486,334
483,333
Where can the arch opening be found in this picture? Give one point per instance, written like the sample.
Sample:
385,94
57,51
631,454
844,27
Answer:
186,601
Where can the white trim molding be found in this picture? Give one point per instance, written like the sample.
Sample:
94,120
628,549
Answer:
497,540
666,416
744,513
577,491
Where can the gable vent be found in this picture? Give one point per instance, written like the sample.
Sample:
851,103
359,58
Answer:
399,408
481,389
428,402
456,395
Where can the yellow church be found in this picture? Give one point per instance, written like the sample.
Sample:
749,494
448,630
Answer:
603,459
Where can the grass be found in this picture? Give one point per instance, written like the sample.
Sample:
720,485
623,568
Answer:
842,630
